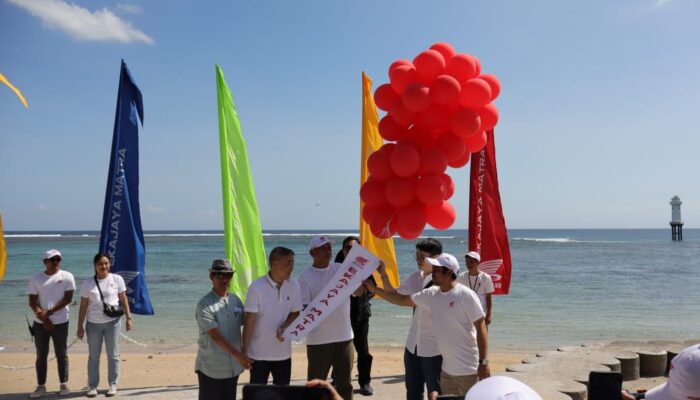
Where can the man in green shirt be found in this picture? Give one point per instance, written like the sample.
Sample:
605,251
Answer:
220,318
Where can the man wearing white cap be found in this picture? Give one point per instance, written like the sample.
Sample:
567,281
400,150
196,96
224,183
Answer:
459,324
330,343
478,281
683,378
50,293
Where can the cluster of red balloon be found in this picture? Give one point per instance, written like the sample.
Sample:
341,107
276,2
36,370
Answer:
439,108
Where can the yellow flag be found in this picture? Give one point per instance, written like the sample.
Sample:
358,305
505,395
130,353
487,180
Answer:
371,142
14,89
3,251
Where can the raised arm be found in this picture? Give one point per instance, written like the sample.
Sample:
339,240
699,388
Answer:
391,297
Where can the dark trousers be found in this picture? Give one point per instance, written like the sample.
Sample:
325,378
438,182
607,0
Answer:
421,371
364,358
340,356
59,336
216,389
281,372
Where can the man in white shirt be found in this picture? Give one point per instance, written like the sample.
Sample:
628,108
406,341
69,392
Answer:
478,281
330,343
458,321
50,293
272,303
422,360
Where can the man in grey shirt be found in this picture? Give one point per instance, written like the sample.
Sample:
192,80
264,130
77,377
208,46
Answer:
220,318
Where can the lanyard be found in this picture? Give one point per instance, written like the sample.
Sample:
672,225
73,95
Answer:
477,283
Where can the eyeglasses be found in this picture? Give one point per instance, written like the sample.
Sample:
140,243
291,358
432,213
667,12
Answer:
223,274
55,259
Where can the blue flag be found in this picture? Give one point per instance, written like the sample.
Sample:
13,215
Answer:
122,236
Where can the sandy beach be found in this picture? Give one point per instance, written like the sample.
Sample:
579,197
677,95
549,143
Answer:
142,369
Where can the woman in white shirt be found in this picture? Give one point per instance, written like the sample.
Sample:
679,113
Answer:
103,324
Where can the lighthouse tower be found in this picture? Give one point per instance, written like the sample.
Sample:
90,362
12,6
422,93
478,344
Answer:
676,221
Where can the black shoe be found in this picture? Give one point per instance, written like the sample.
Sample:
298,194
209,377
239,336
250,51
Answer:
366,390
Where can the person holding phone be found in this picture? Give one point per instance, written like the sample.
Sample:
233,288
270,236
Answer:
97,294
220,360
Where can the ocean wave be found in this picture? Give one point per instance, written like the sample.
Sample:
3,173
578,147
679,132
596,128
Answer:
311,234
32,235
549,240
182,234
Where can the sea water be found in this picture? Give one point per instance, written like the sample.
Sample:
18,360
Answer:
567,286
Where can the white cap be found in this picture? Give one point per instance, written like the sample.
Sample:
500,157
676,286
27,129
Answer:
474,255
501,388
683,378
318,241
445,260
51,253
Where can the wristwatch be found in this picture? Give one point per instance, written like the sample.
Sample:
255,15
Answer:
484,362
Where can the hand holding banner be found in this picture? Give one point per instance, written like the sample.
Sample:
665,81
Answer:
358,266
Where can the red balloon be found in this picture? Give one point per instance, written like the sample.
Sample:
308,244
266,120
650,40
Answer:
398,63
478,66
410,235
385,97
441,216
402,76
401,114
405,160
368,212
462,67
445,90
476,93
449,186
411,218
493,83
429,64
430,189
388,147
476,142
445,49
416,97
379,165
435,118
390,130
432,162
465,122
422,137
381,224
462,161
453,146
400,191
372,193
489,116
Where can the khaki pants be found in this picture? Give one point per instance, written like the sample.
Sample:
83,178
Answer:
339,355
457,385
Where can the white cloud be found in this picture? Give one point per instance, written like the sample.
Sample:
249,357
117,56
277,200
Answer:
42,207
661,3
128,9
154,209
82,24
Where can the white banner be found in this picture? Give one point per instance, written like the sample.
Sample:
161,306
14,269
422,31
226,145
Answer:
358,266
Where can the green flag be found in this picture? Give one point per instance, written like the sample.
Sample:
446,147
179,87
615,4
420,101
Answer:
242,231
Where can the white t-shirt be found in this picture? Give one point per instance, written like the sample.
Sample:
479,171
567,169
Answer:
453,313
51,289
481,284
336,327
421,339
111,286
272,306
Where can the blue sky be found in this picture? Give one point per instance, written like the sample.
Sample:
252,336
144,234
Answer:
599,107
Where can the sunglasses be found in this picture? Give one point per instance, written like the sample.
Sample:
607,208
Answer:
55,259
223,274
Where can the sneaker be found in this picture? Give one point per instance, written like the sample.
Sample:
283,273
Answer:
64,391
112,391
92,392
366,390
40,391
